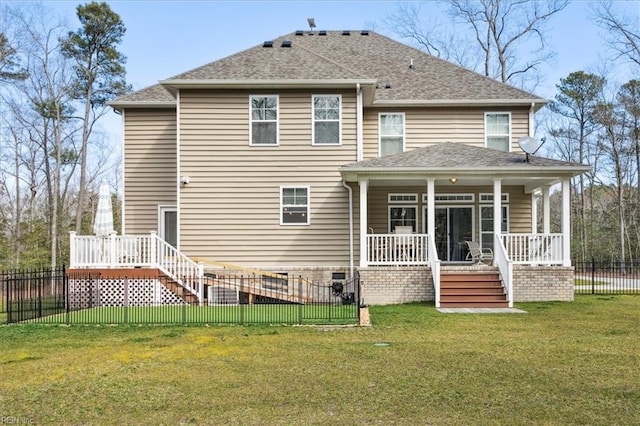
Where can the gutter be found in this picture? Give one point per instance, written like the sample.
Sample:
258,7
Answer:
539,102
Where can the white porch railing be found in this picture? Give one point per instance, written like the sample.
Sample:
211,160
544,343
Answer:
130,251
542,249
397,249
435,268
505,266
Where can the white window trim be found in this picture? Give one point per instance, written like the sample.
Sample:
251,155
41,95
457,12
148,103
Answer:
282,205
488,198
404,130
313,121
443,198
414,200
277,121
481,233
486,135
162,209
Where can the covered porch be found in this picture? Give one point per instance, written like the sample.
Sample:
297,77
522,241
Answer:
421,207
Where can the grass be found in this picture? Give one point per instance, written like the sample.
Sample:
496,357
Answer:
229,314
559,364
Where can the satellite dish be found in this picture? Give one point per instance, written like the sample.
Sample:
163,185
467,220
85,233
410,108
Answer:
529,145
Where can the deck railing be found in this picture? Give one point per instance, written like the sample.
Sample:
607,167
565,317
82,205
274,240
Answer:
131,251
397,249
542,249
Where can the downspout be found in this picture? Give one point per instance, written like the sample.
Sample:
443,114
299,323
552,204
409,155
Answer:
359,113
124,163
178,171
348,188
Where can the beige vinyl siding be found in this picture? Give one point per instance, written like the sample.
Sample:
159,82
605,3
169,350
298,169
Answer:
149,166
519,205
426,126
230,210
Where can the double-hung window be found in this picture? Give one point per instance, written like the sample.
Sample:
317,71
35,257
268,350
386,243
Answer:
326,119
264,120
403,211
294,205
391,133
497,128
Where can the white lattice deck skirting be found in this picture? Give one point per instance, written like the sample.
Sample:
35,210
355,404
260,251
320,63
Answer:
95,292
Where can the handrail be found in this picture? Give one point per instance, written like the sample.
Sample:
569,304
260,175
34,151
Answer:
232,267
434,261
130,251
179,267
505,266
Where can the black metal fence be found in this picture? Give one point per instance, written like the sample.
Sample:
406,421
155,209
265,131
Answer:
30,294
57,297
607,277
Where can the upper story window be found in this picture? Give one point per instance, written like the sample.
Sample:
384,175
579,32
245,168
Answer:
264,120
497,129
326,119
294,205
391,133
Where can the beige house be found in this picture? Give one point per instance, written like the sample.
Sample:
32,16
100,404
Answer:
344,151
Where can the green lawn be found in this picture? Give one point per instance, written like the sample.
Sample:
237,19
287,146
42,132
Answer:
224,314
559,364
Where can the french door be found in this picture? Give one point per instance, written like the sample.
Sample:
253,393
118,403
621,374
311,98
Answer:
454,226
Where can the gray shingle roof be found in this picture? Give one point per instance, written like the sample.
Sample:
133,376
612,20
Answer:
155,94
449,155
354,57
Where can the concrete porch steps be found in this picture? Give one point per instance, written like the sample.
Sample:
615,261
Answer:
472,289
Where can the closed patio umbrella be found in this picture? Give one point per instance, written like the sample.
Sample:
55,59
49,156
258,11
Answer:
103,222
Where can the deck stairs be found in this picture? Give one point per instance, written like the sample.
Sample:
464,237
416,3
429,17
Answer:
476,286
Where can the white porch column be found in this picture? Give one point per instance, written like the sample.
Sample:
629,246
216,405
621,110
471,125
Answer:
546,210
431,208
363,184
497,206
534,213
497,209
566,222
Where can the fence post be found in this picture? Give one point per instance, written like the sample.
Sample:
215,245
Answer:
301,304
593,275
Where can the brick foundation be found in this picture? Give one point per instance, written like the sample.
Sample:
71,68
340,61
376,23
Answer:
394,285
543,283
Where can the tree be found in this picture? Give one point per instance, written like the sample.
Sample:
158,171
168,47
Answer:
578,95
100,74
499,28
623,31
9,66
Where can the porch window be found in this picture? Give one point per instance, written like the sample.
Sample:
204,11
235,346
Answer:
294,205
264,120
391,133
497,128
486,223
326,119
403,211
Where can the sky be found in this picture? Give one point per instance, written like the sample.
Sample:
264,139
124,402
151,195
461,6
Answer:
165,38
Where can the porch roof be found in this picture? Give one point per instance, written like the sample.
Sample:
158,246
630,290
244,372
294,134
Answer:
470,165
